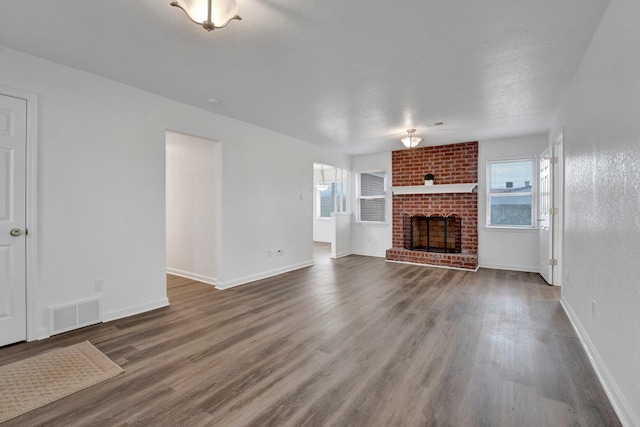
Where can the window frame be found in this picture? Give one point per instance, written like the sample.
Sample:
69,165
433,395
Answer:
333,209
382,196
532,193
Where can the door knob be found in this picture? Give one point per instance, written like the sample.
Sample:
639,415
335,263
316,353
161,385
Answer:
15,232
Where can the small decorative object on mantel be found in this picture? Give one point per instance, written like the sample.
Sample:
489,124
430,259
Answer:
429,179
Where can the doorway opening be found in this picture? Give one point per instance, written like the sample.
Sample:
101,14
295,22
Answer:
558,203
18,287
193,191
550,211
330,206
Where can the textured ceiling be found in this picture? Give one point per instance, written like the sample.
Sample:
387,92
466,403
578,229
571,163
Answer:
350,75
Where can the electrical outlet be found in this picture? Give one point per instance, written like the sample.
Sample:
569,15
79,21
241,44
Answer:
98,285
269,254
280,252
568,276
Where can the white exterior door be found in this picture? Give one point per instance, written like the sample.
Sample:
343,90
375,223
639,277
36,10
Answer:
13,302
545,217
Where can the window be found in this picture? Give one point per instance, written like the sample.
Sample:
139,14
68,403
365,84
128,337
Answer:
331,194
336,193
372,196
510,193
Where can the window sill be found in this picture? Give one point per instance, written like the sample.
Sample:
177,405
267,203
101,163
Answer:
505,228
322,218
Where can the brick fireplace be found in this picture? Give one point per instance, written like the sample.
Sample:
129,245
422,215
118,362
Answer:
431,217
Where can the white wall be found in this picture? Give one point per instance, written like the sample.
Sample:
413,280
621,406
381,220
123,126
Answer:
101,189
507,249
600,117
193,180
372,239
340,234
322,229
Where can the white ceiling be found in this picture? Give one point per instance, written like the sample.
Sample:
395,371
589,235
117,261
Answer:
350,75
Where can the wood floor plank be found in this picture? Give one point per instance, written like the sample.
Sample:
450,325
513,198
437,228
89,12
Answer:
354,341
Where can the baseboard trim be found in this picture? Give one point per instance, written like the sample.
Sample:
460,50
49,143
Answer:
264,275
434,266
382,254
509,267
193,276
133,310
43,333
341,254
620,404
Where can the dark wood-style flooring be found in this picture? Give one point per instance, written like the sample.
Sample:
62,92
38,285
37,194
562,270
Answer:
349,342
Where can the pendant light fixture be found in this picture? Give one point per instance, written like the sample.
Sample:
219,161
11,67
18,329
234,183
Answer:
211,14
411,140
322,185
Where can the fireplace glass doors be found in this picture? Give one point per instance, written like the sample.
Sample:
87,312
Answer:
442,234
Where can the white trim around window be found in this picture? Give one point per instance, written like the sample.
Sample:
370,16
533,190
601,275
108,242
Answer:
381,195
519,185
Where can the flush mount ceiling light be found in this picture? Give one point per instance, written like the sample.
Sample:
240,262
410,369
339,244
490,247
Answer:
211,14
411,140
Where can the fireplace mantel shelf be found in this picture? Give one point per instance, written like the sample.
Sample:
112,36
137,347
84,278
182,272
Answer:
435,189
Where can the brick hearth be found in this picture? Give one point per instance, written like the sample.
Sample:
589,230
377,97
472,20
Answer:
450,164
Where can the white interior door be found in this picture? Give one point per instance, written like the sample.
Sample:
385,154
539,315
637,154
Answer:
545,217
13,302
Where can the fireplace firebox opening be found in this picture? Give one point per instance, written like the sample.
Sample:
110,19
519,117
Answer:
442,234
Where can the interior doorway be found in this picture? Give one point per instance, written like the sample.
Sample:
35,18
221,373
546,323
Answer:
551,211
18,208
321,252
330,198
193,192
545,214
13,218
558,203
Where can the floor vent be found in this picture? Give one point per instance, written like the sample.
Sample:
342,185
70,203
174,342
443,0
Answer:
76,315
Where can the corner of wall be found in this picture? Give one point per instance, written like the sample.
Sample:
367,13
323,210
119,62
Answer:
264,275
620,404
133,310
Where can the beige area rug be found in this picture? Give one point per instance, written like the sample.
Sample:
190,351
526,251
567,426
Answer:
34,382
